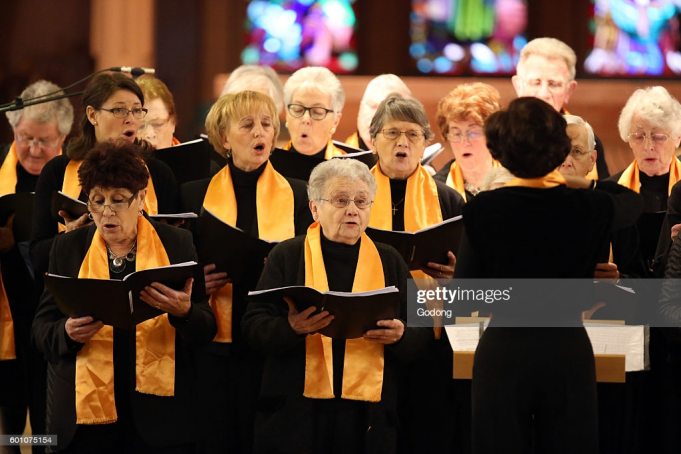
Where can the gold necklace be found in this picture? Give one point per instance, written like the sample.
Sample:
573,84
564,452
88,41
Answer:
395,205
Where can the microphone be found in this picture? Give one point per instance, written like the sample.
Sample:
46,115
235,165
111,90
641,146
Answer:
135,71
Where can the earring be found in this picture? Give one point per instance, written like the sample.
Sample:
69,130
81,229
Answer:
94,123
139,214
89,216
286,125
333,130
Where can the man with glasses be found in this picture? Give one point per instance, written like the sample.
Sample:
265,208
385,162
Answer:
39,132
546,70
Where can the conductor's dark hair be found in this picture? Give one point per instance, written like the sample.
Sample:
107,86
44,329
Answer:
101,88
114,164
529,138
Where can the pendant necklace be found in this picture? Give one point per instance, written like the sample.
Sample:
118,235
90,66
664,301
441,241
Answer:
395,205
118,262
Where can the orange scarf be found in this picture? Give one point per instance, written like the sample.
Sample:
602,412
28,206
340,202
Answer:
364,360
550,180
71,187
455,178
8,183
353,140
275,211
175,142
421,210
630,176
331,149
155,339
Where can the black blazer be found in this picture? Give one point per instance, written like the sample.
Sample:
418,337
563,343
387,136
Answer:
159,420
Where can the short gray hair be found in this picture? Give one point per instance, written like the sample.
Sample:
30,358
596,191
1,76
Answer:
320,78
590,138
245,77
397,107
655,105
550,48
387,80
496,176
347,168
60,111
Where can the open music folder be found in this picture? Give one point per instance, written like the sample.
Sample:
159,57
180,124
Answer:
426,245
21,205
354,313
117,302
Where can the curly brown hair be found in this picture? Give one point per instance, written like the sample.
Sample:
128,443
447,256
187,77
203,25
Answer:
114,164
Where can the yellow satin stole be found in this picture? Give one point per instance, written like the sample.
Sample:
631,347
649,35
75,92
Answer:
353,140
630,176
71,187
421,210
331,149
275,209
364,361
550,180
455,178
155,339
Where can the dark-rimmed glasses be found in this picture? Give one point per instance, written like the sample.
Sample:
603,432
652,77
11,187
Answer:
316,113
99,207
122,112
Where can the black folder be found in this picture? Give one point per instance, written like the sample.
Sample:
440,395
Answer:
74,207
366,157
354,313
426,245
294,165
116,302
232,250
22,206
189,161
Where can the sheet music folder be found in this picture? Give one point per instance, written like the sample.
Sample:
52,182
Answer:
116,302
426,245
354,313
232,250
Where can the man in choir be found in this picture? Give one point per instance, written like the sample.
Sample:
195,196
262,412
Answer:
321,394
546,70
39,133
377,90
262,79
314,100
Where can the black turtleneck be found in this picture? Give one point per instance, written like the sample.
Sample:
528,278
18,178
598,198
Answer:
398,190
340,262
361,143
654,191
319,155
25,181
245,192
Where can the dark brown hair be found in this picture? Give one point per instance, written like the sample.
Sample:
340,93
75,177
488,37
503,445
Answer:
101,88
528,138
113,164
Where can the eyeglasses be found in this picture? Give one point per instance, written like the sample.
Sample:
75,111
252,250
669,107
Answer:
41,143
657,138
554,86
343,201
579,154
470,136
156,124
413,135
99,207
122,112
316,113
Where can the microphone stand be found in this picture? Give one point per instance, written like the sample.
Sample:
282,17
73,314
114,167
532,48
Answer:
19,104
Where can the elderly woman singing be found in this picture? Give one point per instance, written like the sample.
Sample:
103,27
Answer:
320,394
114,390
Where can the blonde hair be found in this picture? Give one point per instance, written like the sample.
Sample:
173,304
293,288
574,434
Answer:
550,48
154,88
476,101
233,107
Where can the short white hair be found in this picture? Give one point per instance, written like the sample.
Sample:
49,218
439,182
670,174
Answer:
59,111
550,48
346,168
245,77
320,78
390,81
655,105
495,178
590,137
